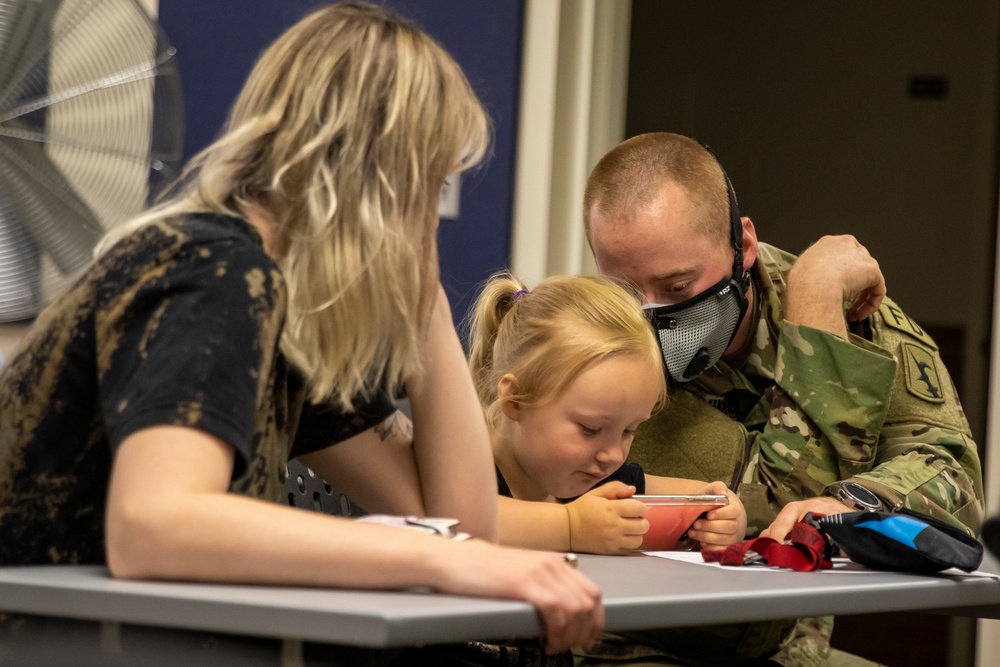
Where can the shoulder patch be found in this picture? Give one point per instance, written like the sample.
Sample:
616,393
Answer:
922,379
894,317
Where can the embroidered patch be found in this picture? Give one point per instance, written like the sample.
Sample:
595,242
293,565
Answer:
893,316
921,373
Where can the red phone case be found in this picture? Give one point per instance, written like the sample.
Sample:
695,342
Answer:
670,516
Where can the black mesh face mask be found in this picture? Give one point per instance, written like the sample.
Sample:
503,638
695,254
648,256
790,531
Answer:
695,333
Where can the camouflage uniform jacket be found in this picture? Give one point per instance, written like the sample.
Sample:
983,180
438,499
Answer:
879,409
802,408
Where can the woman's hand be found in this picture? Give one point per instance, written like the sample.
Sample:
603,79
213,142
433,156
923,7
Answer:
607,520
568,603
721,526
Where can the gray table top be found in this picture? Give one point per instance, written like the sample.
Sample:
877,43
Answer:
639,592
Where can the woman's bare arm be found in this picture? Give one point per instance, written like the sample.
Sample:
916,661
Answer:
170,516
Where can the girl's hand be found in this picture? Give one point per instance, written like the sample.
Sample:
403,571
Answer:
607,520
721,526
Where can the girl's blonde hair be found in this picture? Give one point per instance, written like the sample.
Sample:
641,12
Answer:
344,132
548,336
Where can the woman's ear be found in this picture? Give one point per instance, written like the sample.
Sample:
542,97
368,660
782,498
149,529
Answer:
507,388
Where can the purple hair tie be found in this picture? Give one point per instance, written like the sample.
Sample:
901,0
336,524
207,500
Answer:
518,294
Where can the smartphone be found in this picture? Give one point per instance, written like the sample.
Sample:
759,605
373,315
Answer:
670,516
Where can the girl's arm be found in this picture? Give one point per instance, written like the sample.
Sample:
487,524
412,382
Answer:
170,516
605,520
533,525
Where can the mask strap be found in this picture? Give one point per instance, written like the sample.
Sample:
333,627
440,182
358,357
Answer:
735,229
735,225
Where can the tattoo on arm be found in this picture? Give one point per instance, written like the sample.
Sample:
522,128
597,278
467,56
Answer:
395,426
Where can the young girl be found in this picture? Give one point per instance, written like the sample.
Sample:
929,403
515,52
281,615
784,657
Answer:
566,372
270,310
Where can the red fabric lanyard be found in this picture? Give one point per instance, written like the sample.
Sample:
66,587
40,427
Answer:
805,550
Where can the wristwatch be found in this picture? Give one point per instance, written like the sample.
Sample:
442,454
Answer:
855,496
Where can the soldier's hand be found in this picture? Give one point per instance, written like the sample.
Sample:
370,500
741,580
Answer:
832,271
793,513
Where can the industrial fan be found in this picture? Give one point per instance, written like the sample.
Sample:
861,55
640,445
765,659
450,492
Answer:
91,129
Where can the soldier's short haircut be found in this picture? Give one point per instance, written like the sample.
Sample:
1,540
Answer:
632,174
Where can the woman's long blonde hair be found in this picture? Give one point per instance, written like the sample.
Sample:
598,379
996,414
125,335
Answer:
548,336
344,133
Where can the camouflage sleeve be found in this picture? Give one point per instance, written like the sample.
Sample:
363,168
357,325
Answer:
926,459
826,412
883,414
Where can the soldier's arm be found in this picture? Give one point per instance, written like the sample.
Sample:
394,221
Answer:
929,469
846,410
825,412
926,458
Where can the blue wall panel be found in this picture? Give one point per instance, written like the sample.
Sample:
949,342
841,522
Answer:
218,41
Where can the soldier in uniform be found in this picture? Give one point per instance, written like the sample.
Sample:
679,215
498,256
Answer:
795,378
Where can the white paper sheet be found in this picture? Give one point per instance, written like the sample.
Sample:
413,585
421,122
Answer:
840,565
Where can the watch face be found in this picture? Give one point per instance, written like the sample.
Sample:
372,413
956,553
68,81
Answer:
861,496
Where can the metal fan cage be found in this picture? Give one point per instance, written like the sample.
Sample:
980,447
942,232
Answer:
91,129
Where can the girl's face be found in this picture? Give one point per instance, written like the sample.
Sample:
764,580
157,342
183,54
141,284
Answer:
565,446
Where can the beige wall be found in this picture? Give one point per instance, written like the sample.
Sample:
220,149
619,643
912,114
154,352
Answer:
9,335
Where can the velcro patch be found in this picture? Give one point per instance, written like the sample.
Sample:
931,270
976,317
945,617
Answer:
894,316
921,373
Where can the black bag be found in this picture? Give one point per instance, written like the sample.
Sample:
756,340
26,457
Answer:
902,541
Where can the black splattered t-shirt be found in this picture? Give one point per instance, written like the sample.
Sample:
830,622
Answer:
177,324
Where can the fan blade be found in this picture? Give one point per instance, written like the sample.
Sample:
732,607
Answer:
90,129
24,31
47,205
20,291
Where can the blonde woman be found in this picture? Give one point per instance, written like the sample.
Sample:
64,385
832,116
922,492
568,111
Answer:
270,310
566,372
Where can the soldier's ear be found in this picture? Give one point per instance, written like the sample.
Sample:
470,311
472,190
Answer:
749,242
507,389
